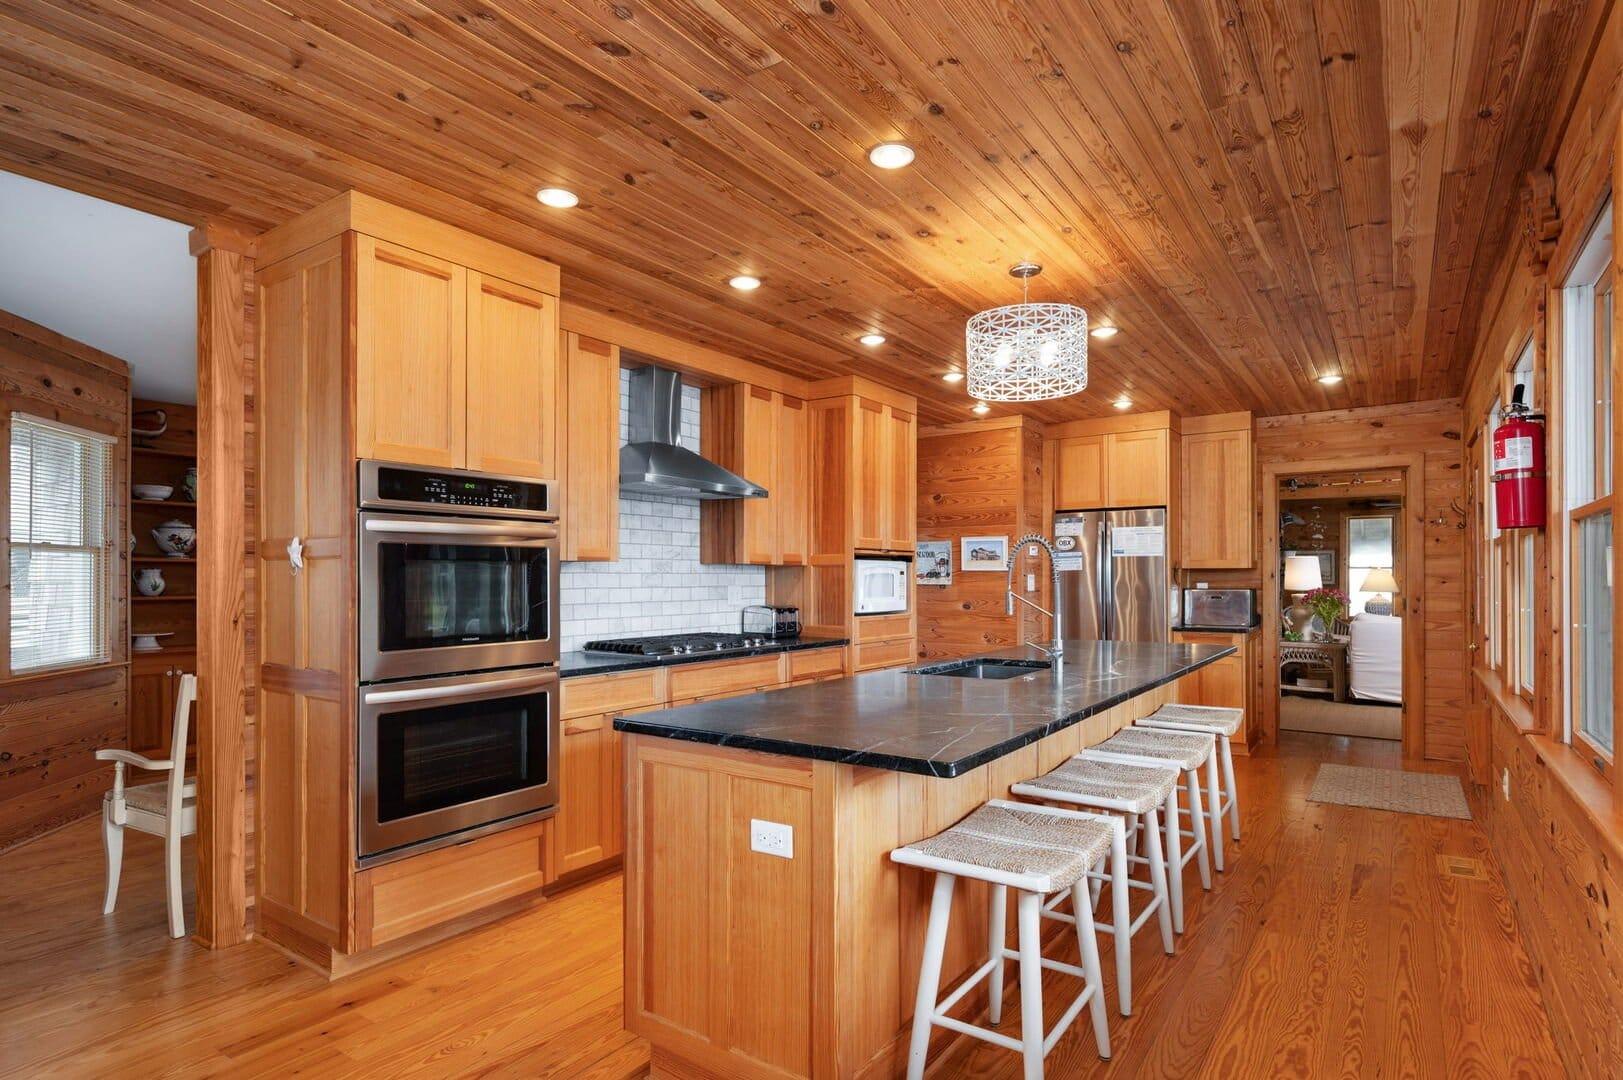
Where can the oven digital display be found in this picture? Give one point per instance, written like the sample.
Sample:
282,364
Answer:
448,489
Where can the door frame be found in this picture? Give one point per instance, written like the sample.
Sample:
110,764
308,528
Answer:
1413,516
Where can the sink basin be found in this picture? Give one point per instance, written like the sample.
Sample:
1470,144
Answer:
984,667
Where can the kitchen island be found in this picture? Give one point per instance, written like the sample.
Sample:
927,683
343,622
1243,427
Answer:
767,932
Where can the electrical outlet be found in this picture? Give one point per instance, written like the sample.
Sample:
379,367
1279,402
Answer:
1504,783
772,838
1031,582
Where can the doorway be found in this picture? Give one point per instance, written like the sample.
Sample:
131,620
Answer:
1342,566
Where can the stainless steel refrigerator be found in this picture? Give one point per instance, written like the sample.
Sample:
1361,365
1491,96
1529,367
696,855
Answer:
1115,574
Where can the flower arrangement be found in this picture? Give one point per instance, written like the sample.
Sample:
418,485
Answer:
1328,604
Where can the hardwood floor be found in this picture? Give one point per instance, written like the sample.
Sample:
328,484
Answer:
1335,945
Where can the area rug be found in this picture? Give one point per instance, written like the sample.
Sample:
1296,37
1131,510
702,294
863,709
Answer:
1432,794
1340,718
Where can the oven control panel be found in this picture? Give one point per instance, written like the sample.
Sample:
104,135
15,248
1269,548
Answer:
406,486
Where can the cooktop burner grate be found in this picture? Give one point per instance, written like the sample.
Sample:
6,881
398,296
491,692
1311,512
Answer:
676,644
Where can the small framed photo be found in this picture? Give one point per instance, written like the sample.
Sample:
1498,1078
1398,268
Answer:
984,553
932,562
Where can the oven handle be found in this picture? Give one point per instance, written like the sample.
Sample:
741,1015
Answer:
432,693
461,528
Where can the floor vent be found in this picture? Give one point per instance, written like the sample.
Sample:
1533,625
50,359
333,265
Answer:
1460,867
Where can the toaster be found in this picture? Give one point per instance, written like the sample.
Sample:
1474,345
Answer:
763,620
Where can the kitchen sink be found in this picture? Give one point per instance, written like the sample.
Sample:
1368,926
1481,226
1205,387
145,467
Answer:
984,667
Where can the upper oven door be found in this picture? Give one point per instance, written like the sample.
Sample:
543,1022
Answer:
441,595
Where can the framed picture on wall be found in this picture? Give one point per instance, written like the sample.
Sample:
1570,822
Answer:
932,562
1327,564
984,553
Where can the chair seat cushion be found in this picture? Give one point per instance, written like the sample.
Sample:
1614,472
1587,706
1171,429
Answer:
1139,788
1185,749
1216,717
153,798
1017,840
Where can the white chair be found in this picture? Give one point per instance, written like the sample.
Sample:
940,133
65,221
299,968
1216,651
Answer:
167,808
1223,721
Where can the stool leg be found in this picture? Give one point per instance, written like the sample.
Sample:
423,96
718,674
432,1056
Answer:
1087,942
1174,858
924,1003
1122,923
1233,792
1197,825
997,941
1214,812
1158,879
1031,981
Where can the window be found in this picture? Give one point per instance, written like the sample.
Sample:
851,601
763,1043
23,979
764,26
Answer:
59,545
1586,364
1369,547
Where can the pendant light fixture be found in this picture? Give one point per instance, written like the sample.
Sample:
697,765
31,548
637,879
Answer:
1026,351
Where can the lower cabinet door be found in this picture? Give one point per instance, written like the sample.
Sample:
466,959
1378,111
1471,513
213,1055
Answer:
589,794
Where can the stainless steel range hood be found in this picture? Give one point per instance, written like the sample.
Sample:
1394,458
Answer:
655,462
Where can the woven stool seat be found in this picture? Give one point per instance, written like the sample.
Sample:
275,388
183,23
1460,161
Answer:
1223,720
1137,788
1187,751
1029,842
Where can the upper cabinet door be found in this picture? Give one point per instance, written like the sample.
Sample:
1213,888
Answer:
1136,468
512,378
411,355
901,506
792,493
874,476
1217,500
591,516
1079,473
758,462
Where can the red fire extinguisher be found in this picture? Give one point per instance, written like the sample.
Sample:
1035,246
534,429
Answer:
1518,466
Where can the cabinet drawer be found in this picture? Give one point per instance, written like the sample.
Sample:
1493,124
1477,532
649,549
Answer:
732,677
883,654
884,627
414,894
816,663
595,694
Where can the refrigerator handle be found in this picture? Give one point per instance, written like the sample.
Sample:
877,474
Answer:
1107,596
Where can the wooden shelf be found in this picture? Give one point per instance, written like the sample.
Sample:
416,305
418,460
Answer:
163,502
164,560
166,598
178,455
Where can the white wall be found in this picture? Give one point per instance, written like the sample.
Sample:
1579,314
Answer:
658,586
111,277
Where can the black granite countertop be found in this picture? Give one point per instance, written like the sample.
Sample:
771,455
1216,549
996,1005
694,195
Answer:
1219,629
930,724
585,663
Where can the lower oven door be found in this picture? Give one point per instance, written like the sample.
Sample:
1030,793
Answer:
442,760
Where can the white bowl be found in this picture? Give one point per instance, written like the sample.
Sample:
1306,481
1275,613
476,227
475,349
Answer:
176,539
152,491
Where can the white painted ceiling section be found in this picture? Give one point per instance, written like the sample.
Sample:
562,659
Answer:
103,274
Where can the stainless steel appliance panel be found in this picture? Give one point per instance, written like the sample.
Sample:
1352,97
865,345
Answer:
1079,543
1220,607
441,758
1138,576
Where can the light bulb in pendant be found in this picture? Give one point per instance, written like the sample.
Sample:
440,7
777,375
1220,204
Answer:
1005,353
1048,352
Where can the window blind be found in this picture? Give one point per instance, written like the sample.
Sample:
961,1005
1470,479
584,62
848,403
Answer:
59,546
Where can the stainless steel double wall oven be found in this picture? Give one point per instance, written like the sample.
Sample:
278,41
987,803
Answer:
457,608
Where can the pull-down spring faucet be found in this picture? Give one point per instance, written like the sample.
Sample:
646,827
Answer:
1057,652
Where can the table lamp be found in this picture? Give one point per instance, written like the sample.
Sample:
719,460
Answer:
1301,576
1381,582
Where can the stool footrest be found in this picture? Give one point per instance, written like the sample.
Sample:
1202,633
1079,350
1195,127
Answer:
997,1038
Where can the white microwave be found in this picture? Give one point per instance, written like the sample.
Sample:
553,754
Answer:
881,585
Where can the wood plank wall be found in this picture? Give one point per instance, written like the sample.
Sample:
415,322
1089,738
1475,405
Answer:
1559,835
52,725
978,480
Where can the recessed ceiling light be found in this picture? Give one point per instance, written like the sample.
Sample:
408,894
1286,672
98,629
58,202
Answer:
558,197
745,283
1103,332
872,339
954,376
1123,403
891,155
981,408
1329,380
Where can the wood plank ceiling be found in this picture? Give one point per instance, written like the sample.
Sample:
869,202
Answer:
1256,191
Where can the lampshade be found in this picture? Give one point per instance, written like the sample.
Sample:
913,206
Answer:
1026,351
1379,580
1302,573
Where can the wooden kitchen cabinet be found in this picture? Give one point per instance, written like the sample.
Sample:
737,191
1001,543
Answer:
591,496
1218,485
761,435
513,383
154,686
886,478
1114,469
1228,682
1079,473
590,794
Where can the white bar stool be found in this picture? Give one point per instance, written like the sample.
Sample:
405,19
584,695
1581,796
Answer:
1035,850
1222,721
1138,792
1192,754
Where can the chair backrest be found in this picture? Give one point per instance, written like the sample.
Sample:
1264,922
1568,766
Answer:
177,748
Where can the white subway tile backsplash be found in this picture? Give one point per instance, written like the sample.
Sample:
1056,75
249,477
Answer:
658,586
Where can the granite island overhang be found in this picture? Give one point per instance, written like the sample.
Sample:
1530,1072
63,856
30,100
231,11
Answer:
801,960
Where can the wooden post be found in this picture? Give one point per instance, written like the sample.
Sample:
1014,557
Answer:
224,262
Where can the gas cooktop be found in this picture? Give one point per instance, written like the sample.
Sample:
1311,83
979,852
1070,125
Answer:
678,644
